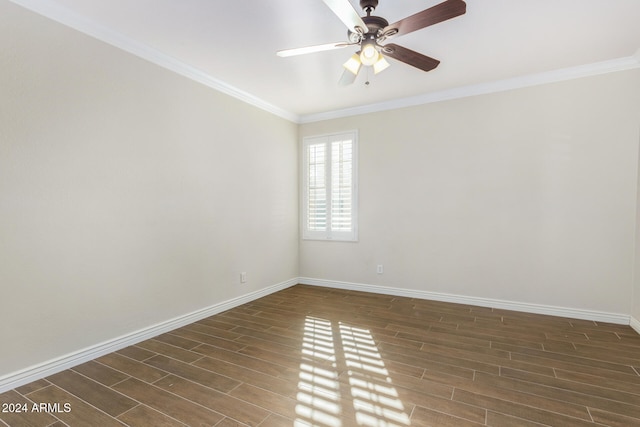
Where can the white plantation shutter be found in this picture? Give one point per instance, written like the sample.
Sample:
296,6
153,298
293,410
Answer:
317,190
329,187
341,185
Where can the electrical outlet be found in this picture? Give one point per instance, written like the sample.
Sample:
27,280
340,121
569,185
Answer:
243,277
380,269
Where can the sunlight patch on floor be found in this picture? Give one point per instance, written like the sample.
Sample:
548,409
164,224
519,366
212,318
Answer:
375,401
318,389
318,339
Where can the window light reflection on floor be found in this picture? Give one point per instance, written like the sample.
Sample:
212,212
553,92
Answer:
375,401
318,389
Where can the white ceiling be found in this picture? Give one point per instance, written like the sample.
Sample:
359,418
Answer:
231,45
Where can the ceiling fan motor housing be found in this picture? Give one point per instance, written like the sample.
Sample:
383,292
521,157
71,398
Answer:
375,24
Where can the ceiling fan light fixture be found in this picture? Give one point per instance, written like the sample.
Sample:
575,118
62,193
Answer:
353,64
369,53
380,65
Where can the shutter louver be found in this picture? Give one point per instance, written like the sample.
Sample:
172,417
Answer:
317,188
341,185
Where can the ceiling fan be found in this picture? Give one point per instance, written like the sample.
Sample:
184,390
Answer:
369,31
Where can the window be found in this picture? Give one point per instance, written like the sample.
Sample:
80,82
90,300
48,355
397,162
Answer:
329,202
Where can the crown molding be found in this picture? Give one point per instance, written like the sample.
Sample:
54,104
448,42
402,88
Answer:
80,23
67,17
604,67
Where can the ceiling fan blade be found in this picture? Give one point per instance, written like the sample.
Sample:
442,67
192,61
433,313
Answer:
410,57
438,13
347,78
311,49
347,14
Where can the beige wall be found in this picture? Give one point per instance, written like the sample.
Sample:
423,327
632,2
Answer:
526,196
128,194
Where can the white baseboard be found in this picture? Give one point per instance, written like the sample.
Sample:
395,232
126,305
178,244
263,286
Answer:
573,313
53,366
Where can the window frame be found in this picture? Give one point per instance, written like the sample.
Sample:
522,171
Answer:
328,234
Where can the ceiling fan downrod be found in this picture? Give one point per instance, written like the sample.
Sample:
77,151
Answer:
368,5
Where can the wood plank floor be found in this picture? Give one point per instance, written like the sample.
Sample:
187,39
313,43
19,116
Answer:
317,356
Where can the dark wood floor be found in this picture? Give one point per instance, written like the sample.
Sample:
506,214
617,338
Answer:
316,356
